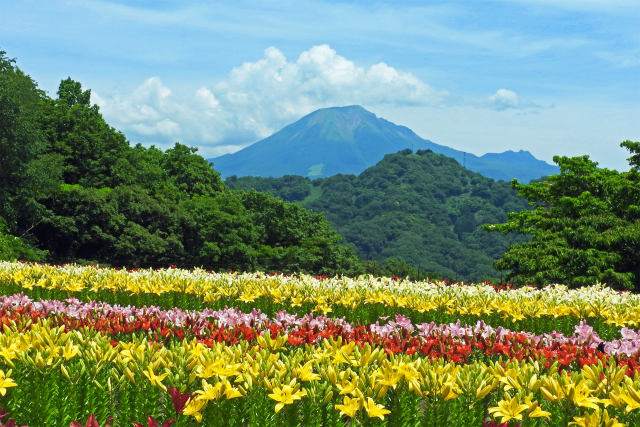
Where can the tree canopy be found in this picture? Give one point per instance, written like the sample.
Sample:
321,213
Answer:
73,189
584,226
413,214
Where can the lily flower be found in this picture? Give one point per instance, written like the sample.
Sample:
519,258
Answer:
375,410
508,409
6,382
193,408
91,422
151,422
349,406
286,395
178,399
155,379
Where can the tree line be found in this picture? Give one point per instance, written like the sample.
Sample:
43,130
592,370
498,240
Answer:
73,189
584,226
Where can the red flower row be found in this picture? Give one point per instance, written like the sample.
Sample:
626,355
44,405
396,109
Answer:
457,349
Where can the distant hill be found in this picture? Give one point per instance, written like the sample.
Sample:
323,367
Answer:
350,139
423,208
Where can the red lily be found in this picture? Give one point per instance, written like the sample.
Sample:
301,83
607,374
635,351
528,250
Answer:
91,422
10,422
153,423
179,399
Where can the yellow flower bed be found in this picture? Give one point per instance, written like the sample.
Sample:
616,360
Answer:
359,377
620,309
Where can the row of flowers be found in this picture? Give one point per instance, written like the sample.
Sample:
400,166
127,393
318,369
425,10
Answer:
118,363
616,308
352,381
454,342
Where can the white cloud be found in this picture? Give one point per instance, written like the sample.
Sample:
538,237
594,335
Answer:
504,99
207,98
260,97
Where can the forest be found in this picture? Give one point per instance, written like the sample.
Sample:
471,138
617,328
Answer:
73,189
420,213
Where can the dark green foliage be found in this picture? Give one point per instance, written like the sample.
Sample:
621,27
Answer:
120,226
74,187
75,130
584,226
416,215
294,239
27,172
290,188
190,172
13,248
217,232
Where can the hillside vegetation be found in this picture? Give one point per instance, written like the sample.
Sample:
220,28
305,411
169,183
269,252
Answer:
421,208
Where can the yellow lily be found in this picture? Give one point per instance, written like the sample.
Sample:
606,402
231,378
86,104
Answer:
580,395
70,350
6,382
286,395
631,397
155,380
534,409
193,408
596,419
349,406
385,378
305,373
508,410
375,410
209,392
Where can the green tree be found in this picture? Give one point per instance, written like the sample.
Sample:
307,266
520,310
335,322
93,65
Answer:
27,173
584,226
218,233
294,239
13,248
70,93
92,150
190,172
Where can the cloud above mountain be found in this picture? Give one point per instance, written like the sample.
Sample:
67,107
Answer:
257,98
505,99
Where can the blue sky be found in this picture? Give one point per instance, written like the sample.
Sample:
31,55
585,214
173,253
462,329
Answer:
548,76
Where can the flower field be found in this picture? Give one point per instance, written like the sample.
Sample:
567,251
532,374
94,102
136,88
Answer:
99,346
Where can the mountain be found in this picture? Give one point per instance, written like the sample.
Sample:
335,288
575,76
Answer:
350,139
422,208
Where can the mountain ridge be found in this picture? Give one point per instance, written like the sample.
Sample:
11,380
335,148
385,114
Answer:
350,139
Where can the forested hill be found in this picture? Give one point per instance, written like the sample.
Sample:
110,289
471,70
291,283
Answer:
422,208
72,189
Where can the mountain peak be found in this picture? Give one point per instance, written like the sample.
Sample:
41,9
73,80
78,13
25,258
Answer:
345,118
347,109
325,142
514,156
348,140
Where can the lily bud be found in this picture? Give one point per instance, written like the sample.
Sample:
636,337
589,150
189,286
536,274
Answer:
65,372
328,397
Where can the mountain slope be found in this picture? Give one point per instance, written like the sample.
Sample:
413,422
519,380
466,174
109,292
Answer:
423,208
350,139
